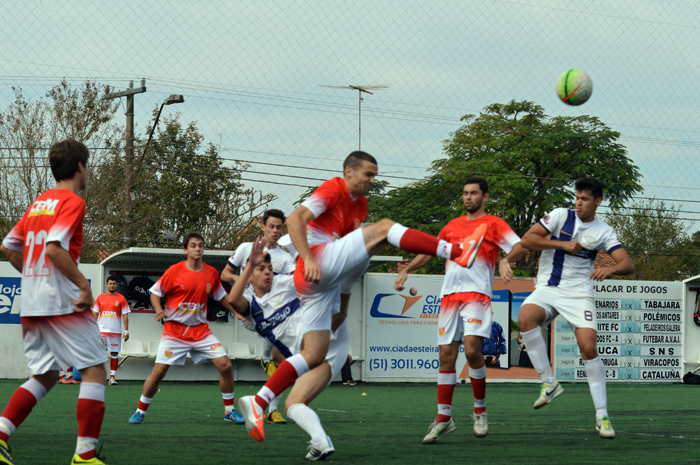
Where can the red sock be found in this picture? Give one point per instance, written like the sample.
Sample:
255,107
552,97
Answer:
447,381
90,414
415,241
479,388
284,376
113,364
21,403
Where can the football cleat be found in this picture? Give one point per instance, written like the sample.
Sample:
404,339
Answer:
5,457
93,461
438,430
548,393
276,417
65,380
254,416
136,418
234,416
112,381
603,426
481,425
320,450
269,366
470,246
350,383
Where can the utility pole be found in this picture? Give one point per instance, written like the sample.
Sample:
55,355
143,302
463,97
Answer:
129,154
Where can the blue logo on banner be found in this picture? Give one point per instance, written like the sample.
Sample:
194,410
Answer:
10,292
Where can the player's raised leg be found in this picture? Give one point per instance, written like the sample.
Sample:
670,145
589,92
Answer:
447,380
529,317
595,374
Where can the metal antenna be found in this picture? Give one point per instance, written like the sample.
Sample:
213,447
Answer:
359,90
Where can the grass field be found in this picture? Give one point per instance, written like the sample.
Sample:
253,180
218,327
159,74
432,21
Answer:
654,424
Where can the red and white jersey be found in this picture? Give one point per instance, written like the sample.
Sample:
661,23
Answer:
186,293
56,215
336,212
110,309
478,278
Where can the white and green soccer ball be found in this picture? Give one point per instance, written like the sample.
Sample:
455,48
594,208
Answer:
574,87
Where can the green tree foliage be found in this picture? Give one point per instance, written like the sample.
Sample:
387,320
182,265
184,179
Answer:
530,161
656,240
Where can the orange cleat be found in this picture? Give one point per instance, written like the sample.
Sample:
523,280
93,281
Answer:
470,246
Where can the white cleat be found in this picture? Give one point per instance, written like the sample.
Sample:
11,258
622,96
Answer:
548,393
320,450
481,425
603,426
438,430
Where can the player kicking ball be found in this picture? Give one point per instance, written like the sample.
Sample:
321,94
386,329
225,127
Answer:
333,250
570,241
465,308
271,305
186,287
57,325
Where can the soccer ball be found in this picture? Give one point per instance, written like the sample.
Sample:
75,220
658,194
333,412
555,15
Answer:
574,87
413,291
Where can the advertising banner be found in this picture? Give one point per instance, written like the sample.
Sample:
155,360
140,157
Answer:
639,333
10,292
402,328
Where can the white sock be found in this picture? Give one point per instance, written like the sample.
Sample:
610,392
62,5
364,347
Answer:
267,350
595,372
145,400
537,351
395,234
307,420
275,402
227,396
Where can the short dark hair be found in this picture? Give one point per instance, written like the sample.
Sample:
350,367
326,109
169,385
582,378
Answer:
594,185
274,214
483,185
111,278
65,156
192,235
355,159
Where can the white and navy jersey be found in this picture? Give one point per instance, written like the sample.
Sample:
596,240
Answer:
567,271
282,262
276,315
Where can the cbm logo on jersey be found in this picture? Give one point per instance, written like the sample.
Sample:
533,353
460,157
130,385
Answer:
404,306
10,292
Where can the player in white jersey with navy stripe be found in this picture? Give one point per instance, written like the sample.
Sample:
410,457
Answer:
272,306
570,241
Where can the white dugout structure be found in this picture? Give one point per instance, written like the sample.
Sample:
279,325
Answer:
646,331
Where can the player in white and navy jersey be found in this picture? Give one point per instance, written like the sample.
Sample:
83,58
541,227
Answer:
110,309
570,241
465,309
57,326
187,287
271,305
333,251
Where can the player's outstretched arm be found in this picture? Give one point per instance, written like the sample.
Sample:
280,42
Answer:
238,303
296,225
62,260
227,275
623,266
13,256
419,262
536,239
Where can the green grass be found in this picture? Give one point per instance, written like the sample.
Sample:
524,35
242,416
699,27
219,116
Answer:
654,424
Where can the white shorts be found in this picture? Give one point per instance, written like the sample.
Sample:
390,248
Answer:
338,348
342,262
464,314
172,351
72,340
112,342
578,309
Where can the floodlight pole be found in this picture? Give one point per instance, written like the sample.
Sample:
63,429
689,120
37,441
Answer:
174,98
359,116
128,151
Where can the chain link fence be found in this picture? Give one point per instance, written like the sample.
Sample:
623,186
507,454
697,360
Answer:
272,107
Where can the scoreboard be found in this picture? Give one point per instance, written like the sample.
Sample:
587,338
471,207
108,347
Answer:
639,333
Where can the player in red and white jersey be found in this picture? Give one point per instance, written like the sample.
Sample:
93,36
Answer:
570,241
187,286
325,232
57,328
465,309
110,308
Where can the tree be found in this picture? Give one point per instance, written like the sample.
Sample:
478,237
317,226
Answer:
656,240
530,162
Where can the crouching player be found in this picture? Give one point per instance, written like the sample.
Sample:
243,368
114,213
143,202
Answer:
272,305
187,286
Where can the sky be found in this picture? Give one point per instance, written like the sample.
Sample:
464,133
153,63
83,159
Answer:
252,74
